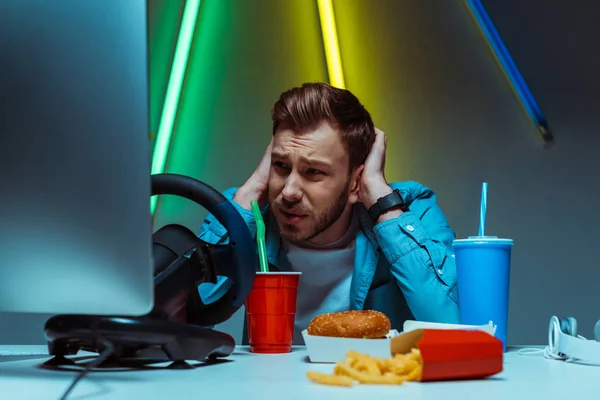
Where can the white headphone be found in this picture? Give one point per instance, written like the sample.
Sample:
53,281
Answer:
564,343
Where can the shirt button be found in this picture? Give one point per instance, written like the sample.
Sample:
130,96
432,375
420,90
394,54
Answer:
440,271
410,228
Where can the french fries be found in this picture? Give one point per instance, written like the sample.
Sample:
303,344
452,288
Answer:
329,379
365,369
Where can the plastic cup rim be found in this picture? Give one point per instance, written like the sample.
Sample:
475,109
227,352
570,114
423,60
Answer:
278,273
483,239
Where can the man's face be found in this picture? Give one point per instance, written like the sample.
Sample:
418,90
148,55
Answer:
310,182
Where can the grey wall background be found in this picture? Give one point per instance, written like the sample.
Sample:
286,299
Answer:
431,83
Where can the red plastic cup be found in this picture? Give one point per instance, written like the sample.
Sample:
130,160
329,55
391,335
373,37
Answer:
271,310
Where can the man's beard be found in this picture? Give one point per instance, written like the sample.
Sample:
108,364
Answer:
322,221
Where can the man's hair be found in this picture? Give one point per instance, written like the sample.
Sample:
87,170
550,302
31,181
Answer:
311,104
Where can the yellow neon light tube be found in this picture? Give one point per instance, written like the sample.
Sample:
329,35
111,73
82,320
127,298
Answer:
332,47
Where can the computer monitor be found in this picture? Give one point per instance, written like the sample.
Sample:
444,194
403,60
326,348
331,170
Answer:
75,226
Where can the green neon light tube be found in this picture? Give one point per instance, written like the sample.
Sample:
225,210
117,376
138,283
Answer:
174,86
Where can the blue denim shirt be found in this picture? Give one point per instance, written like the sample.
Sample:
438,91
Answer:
403,267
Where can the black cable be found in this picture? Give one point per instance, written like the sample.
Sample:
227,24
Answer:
108,348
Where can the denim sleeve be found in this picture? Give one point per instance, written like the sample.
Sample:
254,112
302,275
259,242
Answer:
213,232
418,246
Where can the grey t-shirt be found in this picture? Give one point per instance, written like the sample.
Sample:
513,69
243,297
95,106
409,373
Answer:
326,276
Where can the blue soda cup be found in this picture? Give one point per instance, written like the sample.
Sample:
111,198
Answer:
483,277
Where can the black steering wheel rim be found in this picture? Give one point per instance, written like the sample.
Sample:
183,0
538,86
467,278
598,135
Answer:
243,249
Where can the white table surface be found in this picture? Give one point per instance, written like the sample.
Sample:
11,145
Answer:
250,376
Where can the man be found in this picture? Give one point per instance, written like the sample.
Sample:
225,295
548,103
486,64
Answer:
359,241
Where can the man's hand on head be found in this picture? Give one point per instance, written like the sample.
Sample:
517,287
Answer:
256,187
372,182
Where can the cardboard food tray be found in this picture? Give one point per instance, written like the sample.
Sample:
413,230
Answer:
411,325
325,349
447,354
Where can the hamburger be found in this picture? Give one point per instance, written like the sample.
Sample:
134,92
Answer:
361,324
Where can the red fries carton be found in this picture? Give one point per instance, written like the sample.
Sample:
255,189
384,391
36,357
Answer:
452,354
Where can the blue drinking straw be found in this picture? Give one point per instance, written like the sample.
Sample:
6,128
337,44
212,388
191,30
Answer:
483,209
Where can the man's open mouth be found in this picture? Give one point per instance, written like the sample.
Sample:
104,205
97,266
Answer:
292,216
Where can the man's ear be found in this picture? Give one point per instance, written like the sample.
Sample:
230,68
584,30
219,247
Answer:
354,189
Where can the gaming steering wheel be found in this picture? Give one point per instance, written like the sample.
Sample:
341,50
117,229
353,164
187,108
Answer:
209,282
215,279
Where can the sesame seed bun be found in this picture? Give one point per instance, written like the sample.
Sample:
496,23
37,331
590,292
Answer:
351,324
